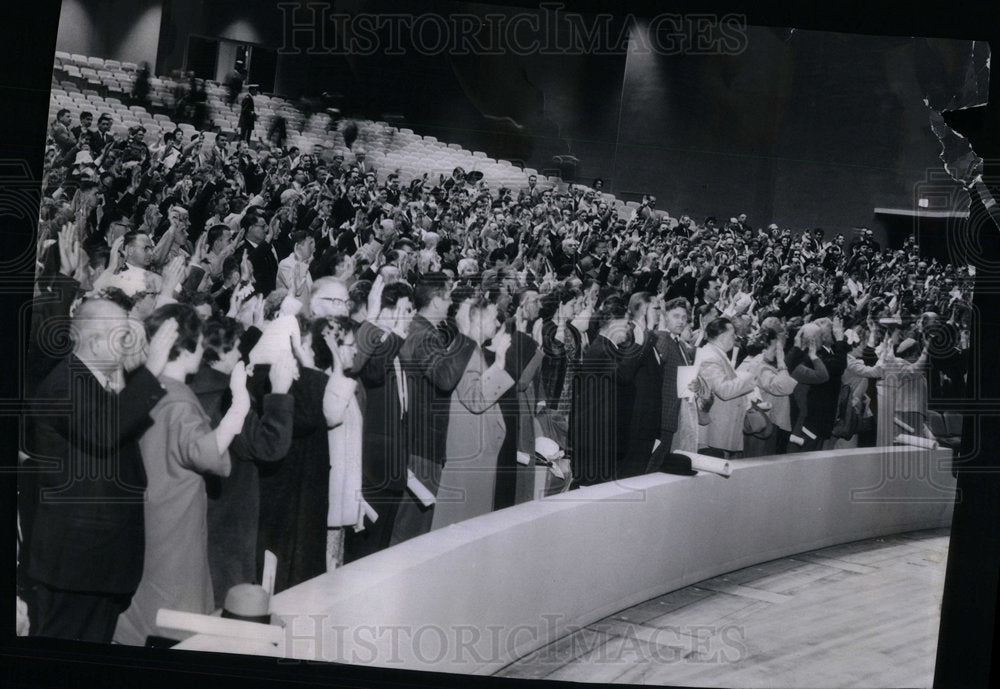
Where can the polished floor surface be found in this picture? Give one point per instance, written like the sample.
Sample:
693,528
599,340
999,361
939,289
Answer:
862,614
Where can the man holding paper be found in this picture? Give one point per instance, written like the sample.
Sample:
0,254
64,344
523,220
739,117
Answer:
678,374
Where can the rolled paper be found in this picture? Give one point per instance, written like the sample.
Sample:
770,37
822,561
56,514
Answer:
807,433
710,465
369,511
917,441
905,426
270,568
419,490
797,440
193,623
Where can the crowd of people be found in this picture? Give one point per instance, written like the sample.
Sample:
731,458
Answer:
267,349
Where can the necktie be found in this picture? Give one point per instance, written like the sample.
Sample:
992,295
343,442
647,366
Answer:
680,347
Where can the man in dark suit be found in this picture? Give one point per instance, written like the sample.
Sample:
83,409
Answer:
601,396
86,540
822,398
433,365
384,455
82,131
102,137
641,425
263,257
673,353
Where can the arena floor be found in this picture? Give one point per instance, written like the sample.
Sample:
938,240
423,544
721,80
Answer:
863,614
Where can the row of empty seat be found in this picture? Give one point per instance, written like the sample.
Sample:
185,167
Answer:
98,85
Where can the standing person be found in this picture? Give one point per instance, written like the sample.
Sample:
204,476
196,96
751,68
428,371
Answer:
294,493
723,435
180,446
674,352
858,376
821,402
433,370
85,554
599,387
293,270
766,360
342,410
476,427
248,116
384,438
643,419
808,369
515,481
234,501
562,352
60,132
140,90
902,390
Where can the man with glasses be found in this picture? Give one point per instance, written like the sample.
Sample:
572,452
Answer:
330,298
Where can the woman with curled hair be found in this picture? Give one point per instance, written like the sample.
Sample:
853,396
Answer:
177,450
766,360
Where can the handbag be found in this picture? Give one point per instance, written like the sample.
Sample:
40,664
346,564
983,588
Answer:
704,401
757,423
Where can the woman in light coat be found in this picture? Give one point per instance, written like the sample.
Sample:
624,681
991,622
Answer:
476,428
343,417
723,436
902,391
766,357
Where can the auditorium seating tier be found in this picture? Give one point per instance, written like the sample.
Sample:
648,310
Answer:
91,83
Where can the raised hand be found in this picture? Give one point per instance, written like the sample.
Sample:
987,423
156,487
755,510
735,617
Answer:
282,373
246,268
160,345
375,297
114,260
238,386
69,250
200,248
173,274
501,343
